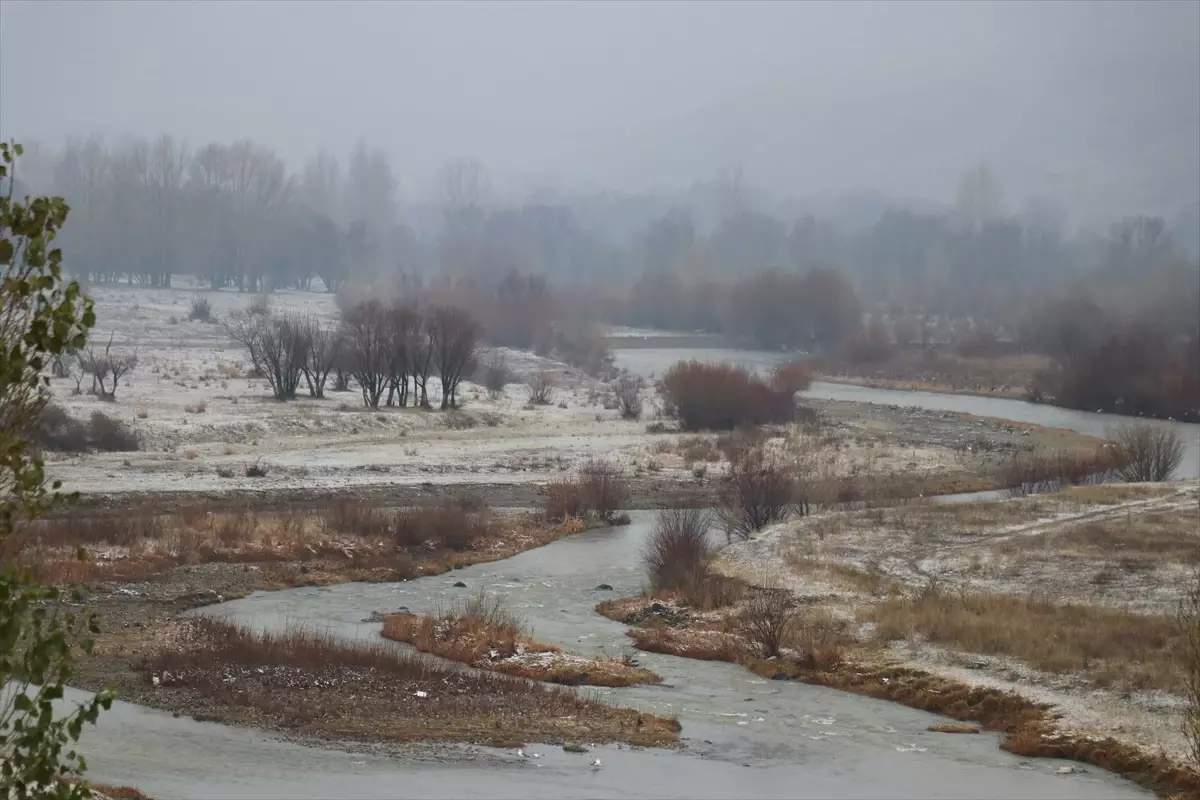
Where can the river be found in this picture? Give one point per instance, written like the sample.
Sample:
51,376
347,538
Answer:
743,736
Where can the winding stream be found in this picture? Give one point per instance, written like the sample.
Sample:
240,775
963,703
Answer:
743,736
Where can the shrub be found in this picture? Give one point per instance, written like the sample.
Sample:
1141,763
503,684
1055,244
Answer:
599,488
259,469
541,388
678,550
563,499
604,489
791,377
1040,471
754,494
721,397
59,432
1146,452
108,434
495,375
628,389
871,345
766,618
201,310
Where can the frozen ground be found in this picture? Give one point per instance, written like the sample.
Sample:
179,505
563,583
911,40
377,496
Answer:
200,416
1130,551
203,419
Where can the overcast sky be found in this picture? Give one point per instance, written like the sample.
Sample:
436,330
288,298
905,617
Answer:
1092,102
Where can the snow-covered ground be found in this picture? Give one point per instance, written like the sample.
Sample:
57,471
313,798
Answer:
200,416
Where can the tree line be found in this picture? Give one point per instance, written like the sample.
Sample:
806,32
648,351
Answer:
391,349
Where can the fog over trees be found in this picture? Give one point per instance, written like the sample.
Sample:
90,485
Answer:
805,176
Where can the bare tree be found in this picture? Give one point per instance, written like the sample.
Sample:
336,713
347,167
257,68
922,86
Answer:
421,361
464,182
453,336
1146,452
324,349
246,329
404,323
755,493
368,344
283,348
107,369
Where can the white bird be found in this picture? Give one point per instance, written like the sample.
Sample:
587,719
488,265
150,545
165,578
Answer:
521,753
596,764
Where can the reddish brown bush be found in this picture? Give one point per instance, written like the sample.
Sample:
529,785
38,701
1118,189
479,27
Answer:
791,377
722,397
678,549
599,488
871,345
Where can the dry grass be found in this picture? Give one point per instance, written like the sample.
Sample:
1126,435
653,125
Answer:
1105,646
343,542
952,727
300,680
1144,540
482,635
999,376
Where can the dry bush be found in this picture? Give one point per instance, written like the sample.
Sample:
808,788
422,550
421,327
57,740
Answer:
755,493
541,388
201,309
257,469
791,377
495,375
605,490
1050,471
1188,617
721,397
599,489
1146,453
564,498
628,389
1105,646
59,432
678,550
820,637
766,618
111,435
870,345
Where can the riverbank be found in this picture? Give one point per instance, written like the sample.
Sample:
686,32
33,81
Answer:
302,683
932,605
932,371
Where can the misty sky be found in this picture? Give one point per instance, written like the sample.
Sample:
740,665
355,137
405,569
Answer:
1094,103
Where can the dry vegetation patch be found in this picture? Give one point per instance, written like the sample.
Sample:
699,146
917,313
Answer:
345,541
1104,646
303,681
485,635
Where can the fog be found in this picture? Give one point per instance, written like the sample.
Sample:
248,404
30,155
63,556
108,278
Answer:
1094,104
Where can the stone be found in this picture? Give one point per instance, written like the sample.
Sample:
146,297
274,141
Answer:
603,587
459,585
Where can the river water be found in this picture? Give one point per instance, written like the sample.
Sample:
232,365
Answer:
743,736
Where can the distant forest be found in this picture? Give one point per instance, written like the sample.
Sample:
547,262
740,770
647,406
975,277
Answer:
715,257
